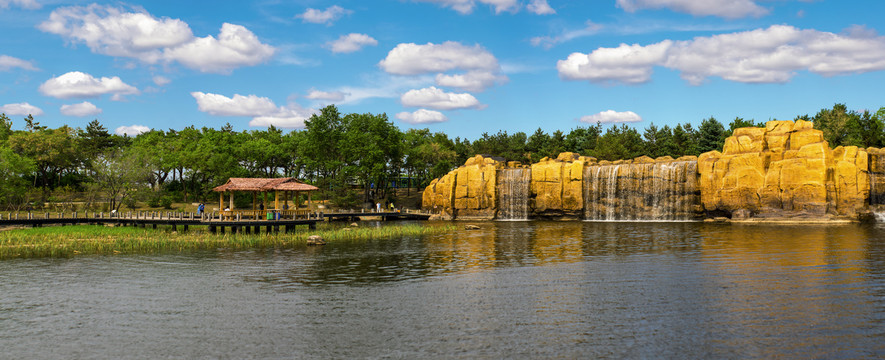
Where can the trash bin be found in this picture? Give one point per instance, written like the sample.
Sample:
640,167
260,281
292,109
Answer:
278,216
270,215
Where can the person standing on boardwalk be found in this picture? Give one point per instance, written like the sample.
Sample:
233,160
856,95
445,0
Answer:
201,208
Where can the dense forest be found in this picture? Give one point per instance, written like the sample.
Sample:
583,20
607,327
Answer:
352,158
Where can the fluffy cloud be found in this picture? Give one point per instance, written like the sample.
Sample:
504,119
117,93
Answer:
26,4
466,6
438,99
9,62
611,116
235,46
289,117
21,109
470,81
351,42
772,55
326,95
630,64
422,116
480,67
82,109
76,84
137,34
412,59
132,130
540,7
262,110
239,105
723,8
328,16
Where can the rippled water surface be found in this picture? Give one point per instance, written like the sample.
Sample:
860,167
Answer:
509,290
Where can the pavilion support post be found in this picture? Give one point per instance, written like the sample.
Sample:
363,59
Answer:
276,199
231,200
309,204
221,201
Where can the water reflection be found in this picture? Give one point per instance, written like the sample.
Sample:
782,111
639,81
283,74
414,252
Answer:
508,290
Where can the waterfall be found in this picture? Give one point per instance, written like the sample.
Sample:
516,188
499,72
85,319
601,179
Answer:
653,191
513,194
877,186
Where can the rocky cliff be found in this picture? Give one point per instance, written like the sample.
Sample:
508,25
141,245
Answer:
784,170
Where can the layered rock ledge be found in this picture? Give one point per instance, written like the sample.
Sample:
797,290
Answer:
782,171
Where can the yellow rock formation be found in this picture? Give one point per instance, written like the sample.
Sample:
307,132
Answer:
784,169
557,185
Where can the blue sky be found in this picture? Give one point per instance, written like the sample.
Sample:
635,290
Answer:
463,67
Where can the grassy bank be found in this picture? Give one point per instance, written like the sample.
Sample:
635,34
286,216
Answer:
85,240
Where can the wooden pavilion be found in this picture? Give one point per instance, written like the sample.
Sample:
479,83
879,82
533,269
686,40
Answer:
279,186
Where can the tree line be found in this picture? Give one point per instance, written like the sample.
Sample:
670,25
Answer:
352,158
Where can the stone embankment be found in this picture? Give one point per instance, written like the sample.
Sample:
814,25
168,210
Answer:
782,171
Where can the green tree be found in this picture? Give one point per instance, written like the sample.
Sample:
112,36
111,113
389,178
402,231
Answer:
834,123
5,128
684,139
537,145
13,185
620,142
54,152
120,175
711,136
583,140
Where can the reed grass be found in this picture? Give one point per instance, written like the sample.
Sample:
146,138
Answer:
70,241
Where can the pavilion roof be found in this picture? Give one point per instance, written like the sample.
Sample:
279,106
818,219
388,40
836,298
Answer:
264,184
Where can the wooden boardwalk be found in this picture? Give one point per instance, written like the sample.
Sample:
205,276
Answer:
178,221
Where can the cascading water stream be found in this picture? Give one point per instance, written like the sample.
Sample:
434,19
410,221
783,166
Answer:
654,191
513,194
877,187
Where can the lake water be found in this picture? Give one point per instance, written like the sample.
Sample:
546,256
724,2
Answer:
509,290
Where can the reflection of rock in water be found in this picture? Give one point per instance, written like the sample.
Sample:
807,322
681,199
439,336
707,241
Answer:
513,194
644,191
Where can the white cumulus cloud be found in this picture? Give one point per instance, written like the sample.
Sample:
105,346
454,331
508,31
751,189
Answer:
132,130
291,116
422,116
9,62
134,33
772,55
630,64
611,116
471,81
475,69
412,59
82,109
239,105
235,46
351,43
540,7
722,8
328,16
77,84
262,110
21,109
438,99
